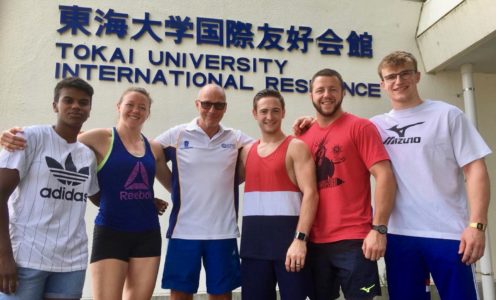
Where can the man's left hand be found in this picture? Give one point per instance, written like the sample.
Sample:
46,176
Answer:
472,245
374,245
295,257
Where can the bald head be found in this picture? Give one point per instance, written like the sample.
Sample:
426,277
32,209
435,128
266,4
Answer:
211,104
211,92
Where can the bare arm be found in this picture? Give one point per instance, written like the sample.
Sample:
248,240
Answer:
162,171
99,140
163,175
478,192
242,162
374,245
95,199
9,179
301,170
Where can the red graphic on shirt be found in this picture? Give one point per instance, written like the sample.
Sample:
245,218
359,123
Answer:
326,166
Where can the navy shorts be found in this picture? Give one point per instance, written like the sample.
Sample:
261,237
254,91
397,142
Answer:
259,278
122,245
183,265
342,264
411,260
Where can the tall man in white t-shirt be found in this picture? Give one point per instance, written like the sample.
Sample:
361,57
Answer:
438,160
43,195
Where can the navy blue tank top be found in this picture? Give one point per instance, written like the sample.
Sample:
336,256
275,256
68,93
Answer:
126,189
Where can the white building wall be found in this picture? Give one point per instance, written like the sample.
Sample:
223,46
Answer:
28,33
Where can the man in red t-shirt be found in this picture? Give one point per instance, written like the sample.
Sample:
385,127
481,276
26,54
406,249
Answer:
346,238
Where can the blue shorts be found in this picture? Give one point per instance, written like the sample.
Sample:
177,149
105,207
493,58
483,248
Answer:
259,278
183,264
36,284
342,264
411,260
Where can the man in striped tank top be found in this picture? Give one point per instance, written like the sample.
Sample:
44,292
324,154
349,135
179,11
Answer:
279,206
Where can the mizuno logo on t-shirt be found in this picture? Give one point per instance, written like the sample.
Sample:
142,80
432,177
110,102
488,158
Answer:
401,139
401,131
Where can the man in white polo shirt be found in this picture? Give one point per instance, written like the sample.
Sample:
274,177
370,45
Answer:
203,221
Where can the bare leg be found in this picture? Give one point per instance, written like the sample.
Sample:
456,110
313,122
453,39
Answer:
226,296
108,277
177,295
141,278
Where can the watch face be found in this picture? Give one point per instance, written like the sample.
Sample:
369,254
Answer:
300,236
382,229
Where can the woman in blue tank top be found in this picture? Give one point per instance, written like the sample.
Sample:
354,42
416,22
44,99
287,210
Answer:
127,241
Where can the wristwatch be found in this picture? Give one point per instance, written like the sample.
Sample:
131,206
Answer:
478,226
382,229
300,236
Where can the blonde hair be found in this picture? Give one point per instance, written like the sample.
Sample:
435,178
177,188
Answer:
396,59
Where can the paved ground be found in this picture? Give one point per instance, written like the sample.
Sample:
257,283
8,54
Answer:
237,296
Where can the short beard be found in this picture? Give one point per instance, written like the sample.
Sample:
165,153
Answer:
328,114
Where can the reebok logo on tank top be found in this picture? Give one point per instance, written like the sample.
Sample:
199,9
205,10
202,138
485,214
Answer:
137,180
69,176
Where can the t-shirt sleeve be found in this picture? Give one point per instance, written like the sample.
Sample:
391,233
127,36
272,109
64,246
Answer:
243,139
369,144
468,144
21,159
94,186
165,138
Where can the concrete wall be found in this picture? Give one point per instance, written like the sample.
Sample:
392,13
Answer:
445,36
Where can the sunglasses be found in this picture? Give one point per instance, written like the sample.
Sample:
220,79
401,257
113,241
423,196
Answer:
216,105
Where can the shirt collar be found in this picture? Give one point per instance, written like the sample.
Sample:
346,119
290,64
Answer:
193,126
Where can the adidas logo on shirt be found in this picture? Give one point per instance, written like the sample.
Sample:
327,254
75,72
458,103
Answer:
68,176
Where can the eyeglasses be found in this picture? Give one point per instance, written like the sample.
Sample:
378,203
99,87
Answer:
216,105
404,75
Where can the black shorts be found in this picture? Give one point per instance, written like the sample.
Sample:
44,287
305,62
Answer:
109,243
342,264
259,278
